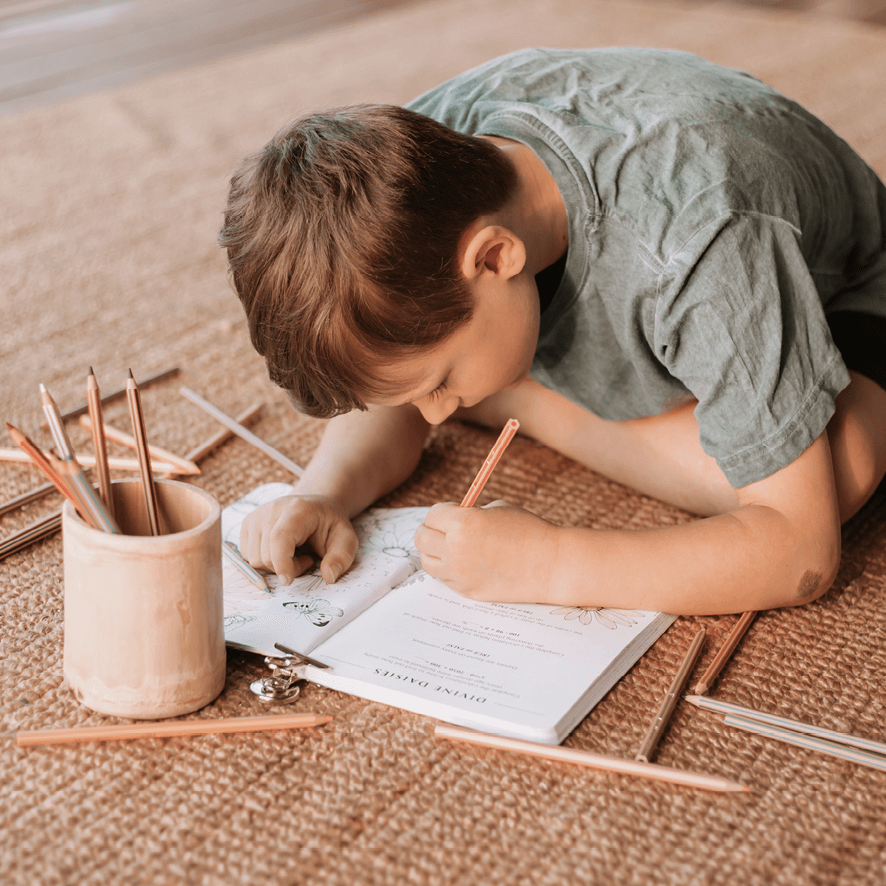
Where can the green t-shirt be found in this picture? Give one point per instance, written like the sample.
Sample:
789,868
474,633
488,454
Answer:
711,222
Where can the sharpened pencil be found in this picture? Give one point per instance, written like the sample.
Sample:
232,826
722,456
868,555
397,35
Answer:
94,405
136,416
663,715
247,571
739,629
170,729
592,761
86,460
498,448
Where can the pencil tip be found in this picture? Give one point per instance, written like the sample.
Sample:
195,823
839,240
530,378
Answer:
130,373
42,388
90,371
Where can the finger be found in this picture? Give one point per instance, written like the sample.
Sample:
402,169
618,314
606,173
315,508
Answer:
279,548
429,542
439,514
338,550
498,503
434,566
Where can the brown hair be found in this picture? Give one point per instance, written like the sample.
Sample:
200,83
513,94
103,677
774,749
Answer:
342,236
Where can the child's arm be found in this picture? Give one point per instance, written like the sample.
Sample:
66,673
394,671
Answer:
361,457
780,546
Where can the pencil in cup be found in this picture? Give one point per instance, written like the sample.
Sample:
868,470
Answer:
498,448
137,417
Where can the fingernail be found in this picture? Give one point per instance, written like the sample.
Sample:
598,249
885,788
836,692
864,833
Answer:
330,574
286,578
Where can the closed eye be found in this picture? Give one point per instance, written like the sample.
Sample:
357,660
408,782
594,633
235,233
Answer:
438,391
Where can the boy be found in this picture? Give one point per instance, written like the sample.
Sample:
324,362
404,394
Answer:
643,257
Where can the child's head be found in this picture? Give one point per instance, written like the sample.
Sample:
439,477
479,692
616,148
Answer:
342,237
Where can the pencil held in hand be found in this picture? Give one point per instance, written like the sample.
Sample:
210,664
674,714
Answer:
507,434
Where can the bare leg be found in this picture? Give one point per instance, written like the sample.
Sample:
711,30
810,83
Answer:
661,455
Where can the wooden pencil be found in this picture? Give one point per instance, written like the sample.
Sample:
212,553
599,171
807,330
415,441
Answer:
96,425
70,468
41,459
201,450
30,534
488,466
136,416
158,453
593,761
170,728
666,709
86,460
728,708
107,398
243,433
25,498
739,629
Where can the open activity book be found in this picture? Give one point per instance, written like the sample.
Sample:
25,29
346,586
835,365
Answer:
391,633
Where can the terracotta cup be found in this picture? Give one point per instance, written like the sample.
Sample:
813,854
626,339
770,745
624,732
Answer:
143,614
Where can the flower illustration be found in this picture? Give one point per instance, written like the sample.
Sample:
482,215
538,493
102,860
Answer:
609,618
316,611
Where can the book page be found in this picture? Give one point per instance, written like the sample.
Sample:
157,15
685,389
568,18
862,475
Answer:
529,671
303,614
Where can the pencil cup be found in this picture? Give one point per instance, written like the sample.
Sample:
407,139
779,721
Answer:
143,613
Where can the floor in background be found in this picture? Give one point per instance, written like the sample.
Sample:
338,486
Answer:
55,49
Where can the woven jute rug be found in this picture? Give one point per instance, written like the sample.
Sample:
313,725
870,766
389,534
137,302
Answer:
111,205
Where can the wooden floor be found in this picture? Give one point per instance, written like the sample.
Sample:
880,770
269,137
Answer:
54,49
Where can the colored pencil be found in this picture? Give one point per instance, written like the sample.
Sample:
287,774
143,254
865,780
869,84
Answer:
71,470
593,761
171,728
86,460
663,715
30,534
25,498
96,425
107,398
137,417
243,433
739,629
158,454
498,448
245,569
41,459
774,720
212,443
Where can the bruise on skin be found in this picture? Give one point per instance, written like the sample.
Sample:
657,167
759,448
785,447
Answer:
809,584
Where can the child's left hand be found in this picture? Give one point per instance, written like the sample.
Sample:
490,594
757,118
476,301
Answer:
499,553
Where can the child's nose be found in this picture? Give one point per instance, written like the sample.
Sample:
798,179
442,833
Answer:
437,412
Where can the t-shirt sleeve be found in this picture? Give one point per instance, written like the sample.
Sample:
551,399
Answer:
744,329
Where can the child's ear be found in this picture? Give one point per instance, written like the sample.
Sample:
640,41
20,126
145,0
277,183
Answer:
493,249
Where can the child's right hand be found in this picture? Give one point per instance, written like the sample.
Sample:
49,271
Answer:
271,534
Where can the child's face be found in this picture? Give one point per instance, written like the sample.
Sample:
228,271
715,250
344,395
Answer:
491,352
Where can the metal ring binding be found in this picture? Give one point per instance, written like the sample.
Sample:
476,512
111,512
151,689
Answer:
281,685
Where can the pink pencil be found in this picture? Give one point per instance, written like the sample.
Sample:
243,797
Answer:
495,454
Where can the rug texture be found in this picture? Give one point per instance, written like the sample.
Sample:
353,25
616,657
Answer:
111,204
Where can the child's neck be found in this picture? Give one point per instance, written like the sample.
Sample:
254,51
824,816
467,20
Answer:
537,213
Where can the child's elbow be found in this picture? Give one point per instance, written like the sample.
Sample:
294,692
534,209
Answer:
817,570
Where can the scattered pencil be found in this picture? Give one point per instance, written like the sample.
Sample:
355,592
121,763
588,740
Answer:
158,454
498,448
730,709
30,534
137,418
96,425
242,432
739,629
25,498
171,728
663,715
245,569
592,761
86,460
212,443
